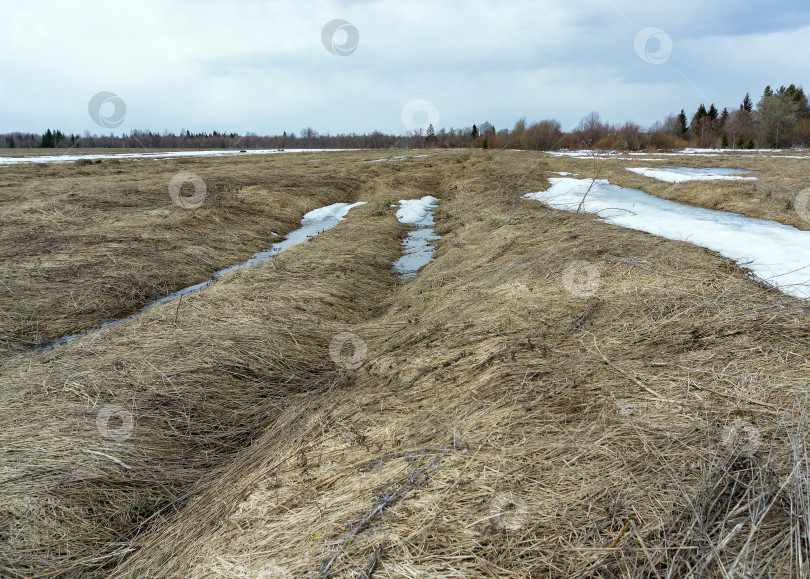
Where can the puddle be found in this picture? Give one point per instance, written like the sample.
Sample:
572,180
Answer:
673,174
313,223
776,253
416,248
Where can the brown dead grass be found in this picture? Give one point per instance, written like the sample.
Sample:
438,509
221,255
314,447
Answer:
500,425
81,244
503,427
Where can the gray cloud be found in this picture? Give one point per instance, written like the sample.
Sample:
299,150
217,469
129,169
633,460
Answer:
261,66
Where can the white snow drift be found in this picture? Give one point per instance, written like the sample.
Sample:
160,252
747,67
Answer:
682,174
777,253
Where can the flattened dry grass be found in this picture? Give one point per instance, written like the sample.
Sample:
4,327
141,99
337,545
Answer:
83,243
196,380
503,426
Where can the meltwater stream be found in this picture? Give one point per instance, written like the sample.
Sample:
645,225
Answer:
776,253
417,250
315,222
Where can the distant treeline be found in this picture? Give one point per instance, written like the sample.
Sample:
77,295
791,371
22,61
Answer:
780,119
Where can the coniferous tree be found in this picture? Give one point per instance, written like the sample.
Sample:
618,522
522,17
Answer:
747,104
47,140
682,123
10,142
431,134
724,141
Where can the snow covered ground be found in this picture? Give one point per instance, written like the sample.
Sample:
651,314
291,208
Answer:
672,174
162,155
777,253
588,153
417,250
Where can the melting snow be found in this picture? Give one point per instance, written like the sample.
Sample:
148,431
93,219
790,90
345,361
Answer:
161,155
777,253
417,249
681,174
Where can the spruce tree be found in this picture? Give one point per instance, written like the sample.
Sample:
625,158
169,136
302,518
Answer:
700,114
431,134
740,142
47,140
712,114
747,104
724,141
10,142
682,123
768,92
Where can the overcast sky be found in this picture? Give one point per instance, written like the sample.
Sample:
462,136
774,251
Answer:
270,66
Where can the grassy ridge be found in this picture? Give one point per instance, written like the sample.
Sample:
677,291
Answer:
510,417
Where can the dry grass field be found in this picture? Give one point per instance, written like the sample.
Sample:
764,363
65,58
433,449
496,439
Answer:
500,424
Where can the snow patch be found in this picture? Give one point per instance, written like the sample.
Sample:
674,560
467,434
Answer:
417,211
417,250
160,155
682,174
777,253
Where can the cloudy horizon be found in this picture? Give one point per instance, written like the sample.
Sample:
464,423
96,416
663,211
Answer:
357,66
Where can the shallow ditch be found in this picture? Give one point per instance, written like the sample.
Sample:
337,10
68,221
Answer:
417,250
313,223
